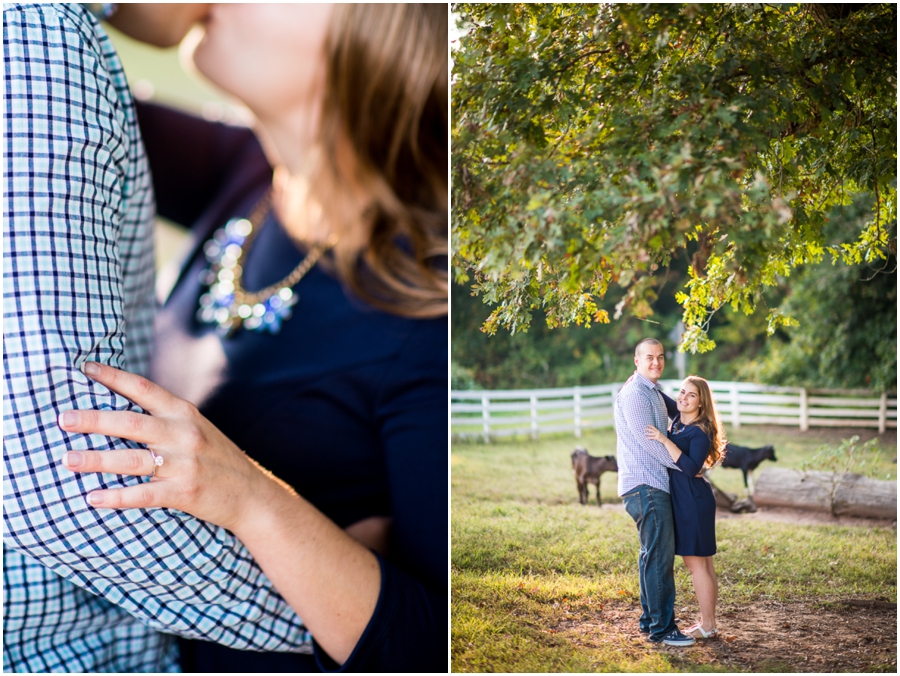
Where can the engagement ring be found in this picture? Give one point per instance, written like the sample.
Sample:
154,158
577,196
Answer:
158,461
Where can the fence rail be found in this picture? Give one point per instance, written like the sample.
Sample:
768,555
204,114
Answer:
492,414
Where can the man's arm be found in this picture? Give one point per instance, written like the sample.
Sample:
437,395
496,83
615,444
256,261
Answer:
638,414
74,181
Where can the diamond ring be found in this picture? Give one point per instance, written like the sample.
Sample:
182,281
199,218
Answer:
158,461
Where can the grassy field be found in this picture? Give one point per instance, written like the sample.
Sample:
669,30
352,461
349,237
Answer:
527,557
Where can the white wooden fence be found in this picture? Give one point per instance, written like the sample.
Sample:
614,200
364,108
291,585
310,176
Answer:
498,413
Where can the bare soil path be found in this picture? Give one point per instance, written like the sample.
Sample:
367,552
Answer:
764,637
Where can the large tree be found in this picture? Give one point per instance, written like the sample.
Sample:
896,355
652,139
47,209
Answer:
590,142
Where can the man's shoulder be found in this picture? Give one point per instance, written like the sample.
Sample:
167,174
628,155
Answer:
634,388
67,26
51,15
63,47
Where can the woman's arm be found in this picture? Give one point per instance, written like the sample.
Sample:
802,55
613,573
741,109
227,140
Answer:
189,156
691,462
671,405
656,435
332,581
409,629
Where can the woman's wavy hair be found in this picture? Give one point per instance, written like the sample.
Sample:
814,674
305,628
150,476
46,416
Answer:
381,175
709,421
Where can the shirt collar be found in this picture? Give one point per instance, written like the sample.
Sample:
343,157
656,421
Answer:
649,384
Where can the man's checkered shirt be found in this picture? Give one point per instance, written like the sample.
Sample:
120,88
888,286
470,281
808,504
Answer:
641,461
86,590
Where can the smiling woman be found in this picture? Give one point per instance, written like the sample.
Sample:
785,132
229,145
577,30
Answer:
695,442
316,337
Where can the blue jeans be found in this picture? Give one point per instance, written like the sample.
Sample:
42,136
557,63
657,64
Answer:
651,510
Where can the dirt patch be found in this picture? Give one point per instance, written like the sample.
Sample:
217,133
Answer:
764,637
806,517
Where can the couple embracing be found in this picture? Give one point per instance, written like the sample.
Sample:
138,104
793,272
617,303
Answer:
660,483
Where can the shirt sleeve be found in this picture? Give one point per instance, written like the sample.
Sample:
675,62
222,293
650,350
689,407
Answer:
68,159
408,630
638,416
691,462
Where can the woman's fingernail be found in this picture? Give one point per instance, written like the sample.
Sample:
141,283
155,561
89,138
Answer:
96,499
69,419
90,368
73,459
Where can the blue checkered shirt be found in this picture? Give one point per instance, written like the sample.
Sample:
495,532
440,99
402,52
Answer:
641,461
87,590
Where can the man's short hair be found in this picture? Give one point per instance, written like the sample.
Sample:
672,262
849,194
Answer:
646,341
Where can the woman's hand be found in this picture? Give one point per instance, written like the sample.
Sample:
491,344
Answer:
654,434
330,579
203,472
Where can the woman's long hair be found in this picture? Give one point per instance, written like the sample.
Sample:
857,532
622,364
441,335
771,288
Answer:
381,175
708,420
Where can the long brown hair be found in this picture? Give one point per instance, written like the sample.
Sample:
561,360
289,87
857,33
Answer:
708,420
381,178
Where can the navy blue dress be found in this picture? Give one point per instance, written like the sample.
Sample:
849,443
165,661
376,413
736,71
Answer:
347,404
693,502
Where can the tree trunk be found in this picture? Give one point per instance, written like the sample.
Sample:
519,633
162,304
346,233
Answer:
836,493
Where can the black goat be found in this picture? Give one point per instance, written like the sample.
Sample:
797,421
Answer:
588,469
747,460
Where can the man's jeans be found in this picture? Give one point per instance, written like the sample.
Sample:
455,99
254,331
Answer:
651,510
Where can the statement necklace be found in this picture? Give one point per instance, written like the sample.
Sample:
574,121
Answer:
227,303
678,426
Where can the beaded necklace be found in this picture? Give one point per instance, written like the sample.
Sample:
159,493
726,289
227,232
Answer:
230,306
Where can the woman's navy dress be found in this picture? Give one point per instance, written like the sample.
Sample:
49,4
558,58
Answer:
693,502
347,404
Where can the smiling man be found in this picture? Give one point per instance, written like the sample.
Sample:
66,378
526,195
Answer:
644,488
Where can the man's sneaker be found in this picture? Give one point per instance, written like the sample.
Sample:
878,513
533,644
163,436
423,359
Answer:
675,638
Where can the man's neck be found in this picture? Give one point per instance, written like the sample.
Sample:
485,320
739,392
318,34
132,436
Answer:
652,380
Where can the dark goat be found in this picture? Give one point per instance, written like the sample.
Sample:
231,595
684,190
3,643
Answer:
588,469
747,460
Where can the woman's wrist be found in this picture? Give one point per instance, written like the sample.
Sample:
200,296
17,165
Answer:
266,497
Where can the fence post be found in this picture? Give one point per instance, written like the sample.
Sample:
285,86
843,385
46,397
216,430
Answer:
534,418
735,413
804,410
486,417
882,414
577,412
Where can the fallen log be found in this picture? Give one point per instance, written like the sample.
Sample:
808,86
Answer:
723,498
729,501
840,494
